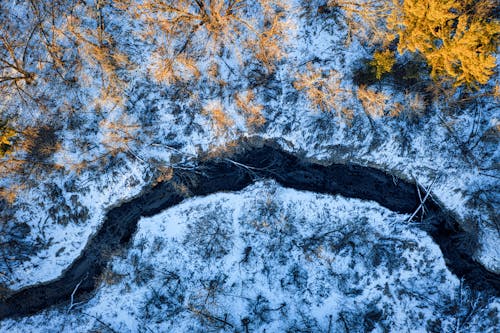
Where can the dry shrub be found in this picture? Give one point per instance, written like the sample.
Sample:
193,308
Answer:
181,189
412,109
374,103
416,103
225,149
495,91
118,134
365,19
185,31
396,109
221,122
169,68
77,167
9,194
251,110
164,174
110,277
268,47
324,91
40,143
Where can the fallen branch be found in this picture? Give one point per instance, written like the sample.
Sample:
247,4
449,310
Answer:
100,321
199,312
248,167
422,201
72,304
419,197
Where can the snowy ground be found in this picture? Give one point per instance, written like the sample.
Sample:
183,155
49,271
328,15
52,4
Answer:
66,207
275,259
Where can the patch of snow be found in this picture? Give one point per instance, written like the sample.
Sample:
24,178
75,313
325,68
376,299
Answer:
275,259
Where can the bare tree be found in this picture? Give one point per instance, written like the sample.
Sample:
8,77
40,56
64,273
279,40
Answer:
185,31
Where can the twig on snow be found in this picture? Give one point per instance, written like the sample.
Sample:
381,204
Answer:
422,201
72,304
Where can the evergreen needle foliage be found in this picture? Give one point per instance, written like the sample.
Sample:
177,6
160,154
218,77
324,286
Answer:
457,38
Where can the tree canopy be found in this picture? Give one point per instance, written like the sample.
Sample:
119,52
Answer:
458,39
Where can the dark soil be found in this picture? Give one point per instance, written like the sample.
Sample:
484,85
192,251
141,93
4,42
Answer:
223,174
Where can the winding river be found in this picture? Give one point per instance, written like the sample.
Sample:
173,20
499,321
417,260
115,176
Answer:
253,162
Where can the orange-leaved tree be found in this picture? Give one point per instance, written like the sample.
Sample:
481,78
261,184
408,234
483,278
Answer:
458,38
6,135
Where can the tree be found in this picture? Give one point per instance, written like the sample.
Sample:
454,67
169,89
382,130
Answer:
364,19
99,56
18,54
457,38
252,111
53,45
382,62
184,31
6,135
12,58
324,91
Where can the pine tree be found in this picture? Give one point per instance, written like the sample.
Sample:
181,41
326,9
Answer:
382,62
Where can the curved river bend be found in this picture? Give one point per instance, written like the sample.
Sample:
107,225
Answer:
221,174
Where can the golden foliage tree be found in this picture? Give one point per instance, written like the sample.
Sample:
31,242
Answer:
6,135
456,37
382,62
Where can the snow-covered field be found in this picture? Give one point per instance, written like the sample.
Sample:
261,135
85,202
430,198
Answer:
277,260
190,266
